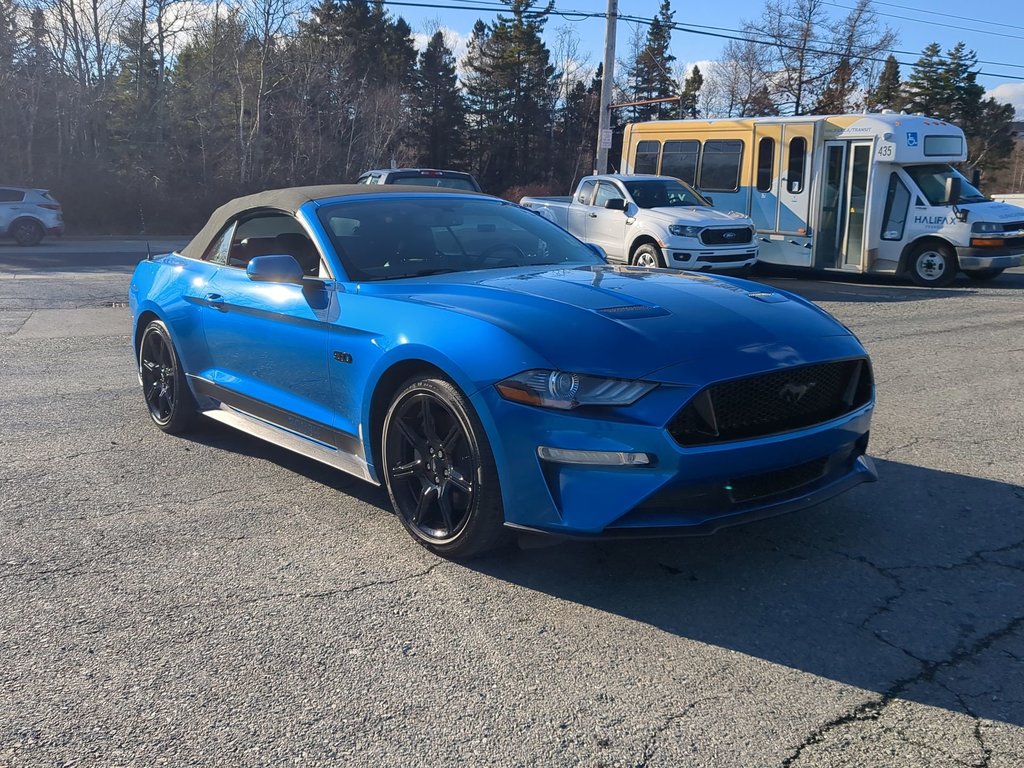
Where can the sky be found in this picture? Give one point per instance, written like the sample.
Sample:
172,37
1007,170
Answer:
993,28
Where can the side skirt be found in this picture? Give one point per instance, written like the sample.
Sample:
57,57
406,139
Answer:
284,437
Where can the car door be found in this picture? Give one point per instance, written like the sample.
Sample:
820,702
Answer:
9,200
268,341
606,227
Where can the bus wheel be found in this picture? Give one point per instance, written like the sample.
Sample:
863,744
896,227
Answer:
932,265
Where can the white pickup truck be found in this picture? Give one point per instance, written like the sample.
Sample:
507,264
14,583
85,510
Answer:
652,221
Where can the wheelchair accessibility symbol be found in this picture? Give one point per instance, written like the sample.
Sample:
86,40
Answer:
911,138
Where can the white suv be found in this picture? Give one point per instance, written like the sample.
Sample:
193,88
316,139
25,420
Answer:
28,215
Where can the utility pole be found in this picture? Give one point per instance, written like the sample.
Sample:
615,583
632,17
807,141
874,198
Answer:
604,122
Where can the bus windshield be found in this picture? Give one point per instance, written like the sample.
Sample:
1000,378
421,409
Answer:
663,193
931,180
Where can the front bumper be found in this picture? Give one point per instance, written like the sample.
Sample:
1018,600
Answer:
685,490
988,258
697,259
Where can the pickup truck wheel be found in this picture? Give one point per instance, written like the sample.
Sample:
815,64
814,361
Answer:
648,255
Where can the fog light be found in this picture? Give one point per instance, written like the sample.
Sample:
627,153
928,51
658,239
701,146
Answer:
597,458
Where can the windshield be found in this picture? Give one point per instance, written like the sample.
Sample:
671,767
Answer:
931,180
392,237
663,193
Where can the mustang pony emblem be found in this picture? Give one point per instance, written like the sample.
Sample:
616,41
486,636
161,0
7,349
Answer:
794,393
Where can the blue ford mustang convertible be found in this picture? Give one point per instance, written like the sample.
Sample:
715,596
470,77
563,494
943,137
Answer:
494,372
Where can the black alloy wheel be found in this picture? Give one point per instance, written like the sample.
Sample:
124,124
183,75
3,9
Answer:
27,232
170,402
440,472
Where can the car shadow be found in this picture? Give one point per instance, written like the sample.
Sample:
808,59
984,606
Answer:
879,288
912,587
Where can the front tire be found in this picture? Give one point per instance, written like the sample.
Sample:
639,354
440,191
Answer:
439,470
27,232
648,255
164,387
933,265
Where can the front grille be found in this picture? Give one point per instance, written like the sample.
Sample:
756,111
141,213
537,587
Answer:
769,403
732,236
723,258
1014,227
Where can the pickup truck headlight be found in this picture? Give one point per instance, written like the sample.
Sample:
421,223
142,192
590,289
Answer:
987,227
558,389
681,230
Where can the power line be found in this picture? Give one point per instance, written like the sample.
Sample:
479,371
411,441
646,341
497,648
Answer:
947,15
717,32
933,23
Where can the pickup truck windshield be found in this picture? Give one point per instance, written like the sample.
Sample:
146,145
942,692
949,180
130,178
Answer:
931,180
393,237
663,193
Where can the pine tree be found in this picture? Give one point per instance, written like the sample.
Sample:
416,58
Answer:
690,100
887,92
651,70
926,90
510,90
437,108
760,104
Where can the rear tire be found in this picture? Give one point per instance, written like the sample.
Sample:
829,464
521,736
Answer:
984,274
27,232
932,265
164,387
648,255
439,470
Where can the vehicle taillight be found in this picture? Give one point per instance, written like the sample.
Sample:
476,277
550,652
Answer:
50,206
431,173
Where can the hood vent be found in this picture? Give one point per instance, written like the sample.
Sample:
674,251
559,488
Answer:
633,311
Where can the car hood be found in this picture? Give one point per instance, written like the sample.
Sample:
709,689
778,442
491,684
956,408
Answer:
631,322
695,215
992,210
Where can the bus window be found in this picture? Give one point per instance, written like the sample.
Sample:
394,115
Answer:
646,160
679,159
765,163
720,165
797,161
897,201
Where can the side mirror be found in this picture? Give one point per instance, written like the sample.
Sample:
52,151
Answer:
615,204
598,250
274,269
709,198
952,190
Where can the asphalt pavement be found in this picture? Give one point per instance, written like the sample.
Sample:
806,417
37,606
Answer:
214,600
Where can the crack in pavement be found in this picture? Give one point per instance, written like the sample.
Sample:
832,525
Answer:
872,709
652,743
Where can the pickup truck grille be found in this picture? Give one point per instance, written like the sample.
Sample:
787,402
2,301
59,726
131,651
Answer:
770,403
731,236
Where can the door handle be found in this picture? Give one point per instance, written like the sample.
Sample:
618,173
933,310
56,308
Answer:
592,215
216,301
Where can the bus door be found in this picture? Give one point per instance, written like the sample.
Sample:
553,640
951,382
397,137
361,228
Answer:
795,192
839,243
765,190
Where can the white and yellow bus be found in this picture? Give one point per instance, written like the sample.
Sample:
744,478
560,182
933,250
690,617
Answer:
871,193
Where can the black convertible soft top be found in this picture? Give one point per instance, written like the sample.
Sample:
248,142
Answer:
289,200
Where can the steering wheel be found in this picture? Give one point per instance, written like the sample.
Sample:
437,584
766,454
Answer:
514,254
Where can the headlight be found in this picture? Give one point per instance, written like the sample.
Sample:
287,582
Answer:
557,389
681,230
986,226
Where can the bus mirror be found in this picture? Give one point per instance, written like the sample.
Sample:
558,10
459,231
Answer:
976,178
952,190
